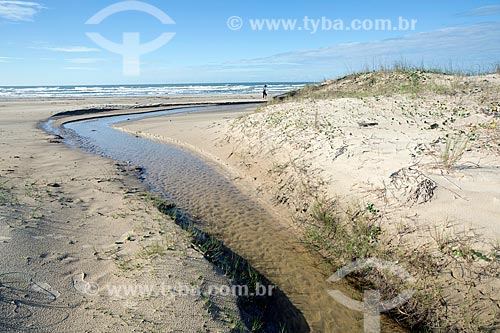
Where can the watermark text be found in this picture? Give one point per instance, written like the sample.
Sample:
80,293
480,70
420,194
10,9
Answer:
321,24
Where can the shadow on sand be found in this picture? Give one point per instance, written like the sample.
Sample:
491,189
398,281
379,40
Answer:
272,312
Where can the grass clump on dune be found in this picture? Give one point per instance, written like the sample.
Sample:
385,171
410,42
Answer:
342,235
453,151
6,196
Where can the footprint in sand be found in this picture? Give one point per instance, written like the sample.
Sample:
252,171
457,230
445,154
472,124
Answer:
4,239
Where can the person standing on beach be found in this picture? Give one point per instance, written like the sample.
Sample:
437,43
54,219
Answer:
264,92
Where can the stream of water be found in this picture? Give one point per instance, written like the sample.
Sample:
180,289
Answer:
247,228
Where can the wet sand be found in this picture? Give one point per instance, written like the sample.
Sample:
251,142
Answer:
73,224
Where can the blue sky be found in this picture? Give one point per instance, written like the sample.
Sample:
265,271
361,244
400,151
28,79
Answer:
44,42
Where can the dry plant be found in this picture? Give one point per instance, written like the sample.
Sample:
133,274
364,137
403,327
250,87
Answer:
413,185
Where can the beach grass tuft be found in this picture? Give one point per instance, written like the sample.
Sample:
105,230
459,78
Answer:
342,234
453,151
5,195
155,249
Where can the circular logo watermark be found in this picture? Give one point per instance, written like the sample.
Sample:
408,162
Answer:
85,287
372,305
131,49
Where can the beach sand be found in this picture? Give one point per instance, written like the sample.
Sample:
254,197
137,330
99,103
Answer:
74,225
426,164
384,155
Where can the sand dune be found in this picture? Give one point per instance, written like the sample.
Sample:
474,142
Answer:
417,152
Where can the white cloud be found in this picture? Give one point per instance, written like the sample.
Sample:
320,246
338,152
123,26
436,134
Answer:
4,59
19,10
71,49
464,47
80,69
482,11
84,60
468,48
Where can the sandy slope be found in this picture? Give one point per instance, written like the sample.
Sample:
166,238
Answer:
204,134
73,225
353,161
383,151
357,161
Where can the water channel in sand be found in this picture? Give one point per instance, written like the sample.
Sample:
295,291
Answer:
239,221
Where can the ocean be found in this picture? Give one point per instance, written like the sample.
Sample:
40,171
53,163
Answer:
147,90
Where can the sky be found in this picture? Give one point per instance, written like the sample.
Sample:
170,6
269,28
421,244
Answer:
46,42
